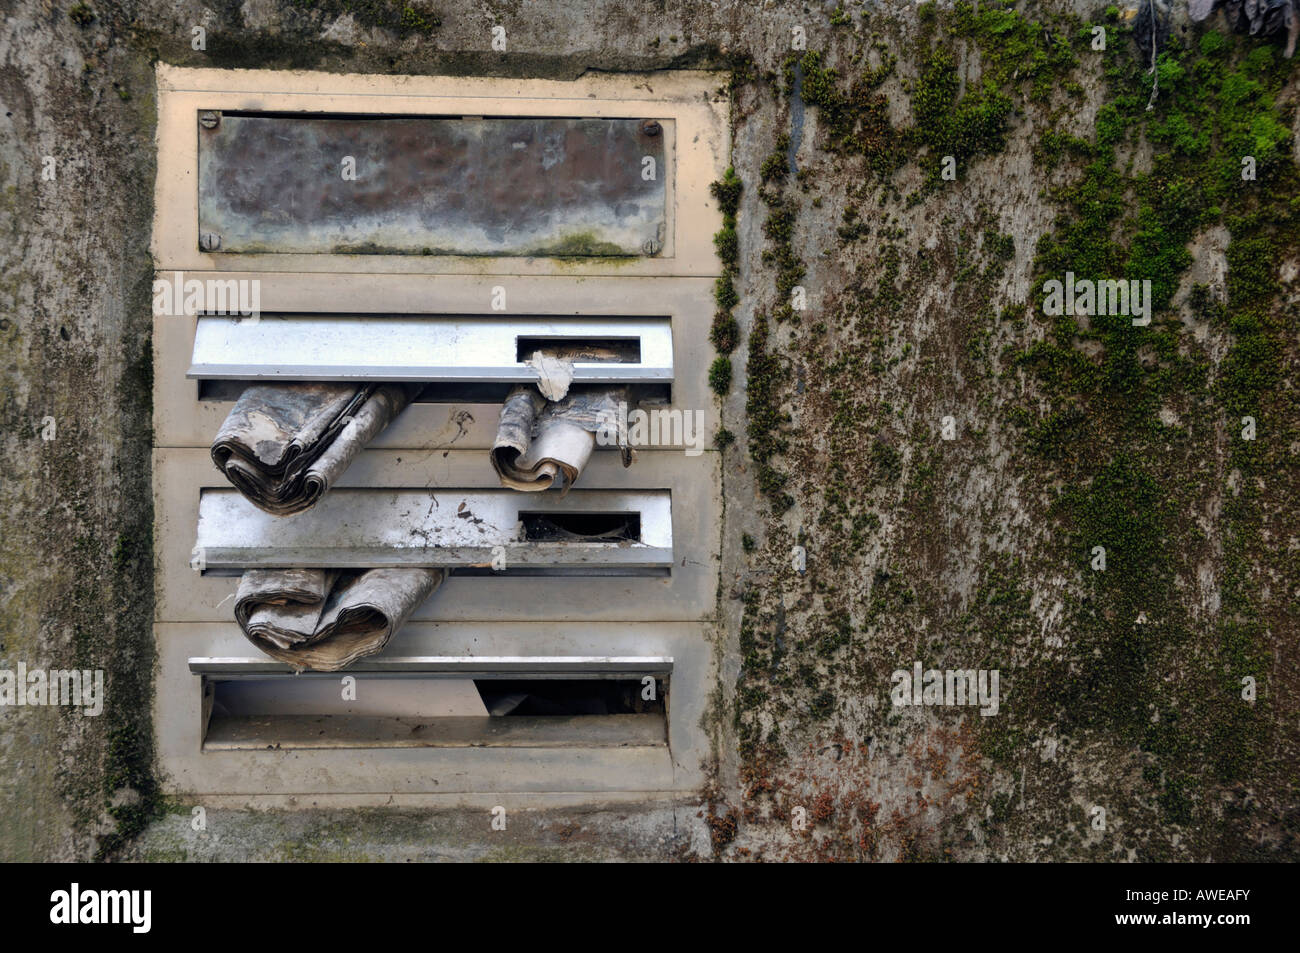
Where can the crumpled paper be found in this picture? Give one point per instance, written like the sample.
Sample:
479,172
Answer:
324,619
283,445
554,374
554,365
541,444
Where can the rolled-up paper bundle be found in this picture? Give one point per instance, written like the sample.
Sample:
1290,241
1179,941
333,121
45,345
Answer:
327,619
283,445
542,444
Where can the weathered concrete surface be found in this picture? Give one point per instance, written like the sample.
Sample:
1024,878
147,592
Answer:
928,563
641,834
75,565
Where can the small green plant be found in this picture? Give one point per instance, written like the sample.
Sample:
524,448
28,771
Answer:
727,191
724,292
725,332
413,19
727,245
774,167
963,128
720,374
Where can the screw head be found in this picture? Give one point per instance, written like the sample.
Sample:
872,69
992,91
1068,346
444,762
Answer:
209,241
209,119
651,127
651,246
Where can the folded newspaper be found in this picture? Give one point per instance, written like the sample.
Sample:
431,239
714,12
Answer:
543,443
325,619
284,445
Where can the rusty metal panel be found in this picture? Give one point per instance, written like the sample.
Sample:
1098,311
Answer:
433,186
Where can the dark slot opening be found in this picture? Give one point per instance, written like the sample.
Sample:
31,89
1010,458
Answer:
415,711
464,392
595,570
582,350
581,527
569,697
439,392
222,390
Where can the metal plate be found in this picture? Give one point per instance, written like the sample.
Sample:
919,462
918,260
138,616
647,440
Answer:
370,528
452,666
337,347
496,186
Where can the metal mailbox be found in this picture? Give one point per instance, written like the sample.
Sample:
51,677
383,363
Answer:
441,231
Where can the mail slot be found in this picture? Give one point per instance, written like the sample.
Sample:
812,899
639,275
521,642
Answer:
430,348
204,363
469,531
437,702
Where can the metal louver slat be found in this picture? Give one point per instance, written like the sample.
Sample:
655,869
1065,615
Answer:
352,528
299,347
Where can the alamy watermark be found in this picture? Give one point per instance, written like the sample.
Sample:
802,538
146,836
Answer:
953,687
658,427
178,295
130,907
1087,297
76,688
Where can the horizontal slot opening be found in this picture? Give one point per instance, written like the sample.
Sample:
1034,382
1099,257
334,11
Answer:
475,392
517,698
581,350
573,527
594,571
380,711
